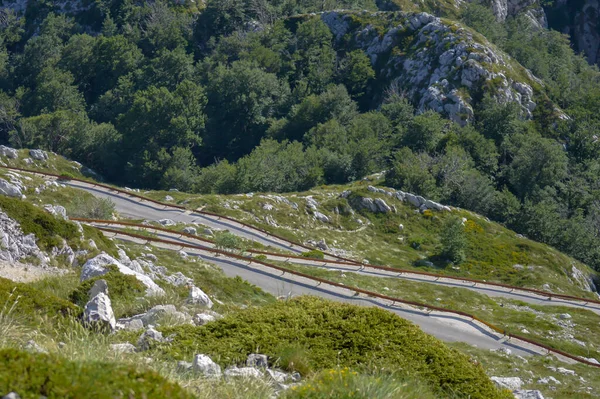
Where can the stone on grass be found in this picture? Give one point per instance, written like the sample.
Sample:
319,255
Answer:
10,190
164,312
132,325
548,380
8,152
198,297
527,394
510,383
182,366
38,155
123,348
202,318
277,376
98,266
149,338
257,360
33,347
204,365
166,222
243,372
11,395
98,313
190,230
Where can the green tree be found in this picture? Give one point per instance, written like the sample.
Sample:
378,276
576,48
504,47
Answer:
357,72
411,172
537,163
242,100
424,132
454,241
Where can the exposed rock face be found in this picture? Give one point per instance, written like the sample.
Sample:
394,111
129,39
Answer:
439,64
527,394
580,20
8,152
242,372
510,8
99,265
98,312
511,383
38,155
9,189
14,245
56,210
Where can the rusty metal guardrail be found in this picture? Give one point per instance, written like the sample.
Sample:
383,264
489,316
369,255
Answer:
361,291
135,195
549,295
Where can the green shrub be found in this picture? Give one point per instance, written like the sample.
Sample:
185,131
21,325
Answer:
91,207
36,375
48,229
30,302
103,243
123,290
454,241
333,334
227,241
314,253
416,242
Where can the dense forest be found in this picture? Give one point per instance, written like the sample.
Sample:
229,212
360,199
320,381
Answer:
236,98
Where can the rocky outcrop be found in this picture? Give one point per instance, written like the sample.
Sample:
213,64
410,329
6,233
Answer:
14,245
440,65
99,266
38,155
198,297
9,189
204,365
8,152
510,8
581,21
155,316
98,313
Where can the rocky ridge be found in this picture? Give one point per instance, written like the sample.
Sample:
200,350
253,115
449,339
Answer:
441,65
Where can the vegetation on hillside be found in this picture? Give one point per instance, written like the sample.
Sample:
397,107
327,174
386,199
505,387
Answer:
310,334
235,98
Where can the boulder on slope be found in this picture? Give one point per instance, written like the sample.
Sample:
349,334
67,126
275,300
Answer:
98,266
98,312
9,189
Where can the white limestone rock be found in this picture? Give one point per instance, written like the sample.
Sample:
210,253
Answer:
98,313
198,297
8,152
204,365
38,155
98,266
510,383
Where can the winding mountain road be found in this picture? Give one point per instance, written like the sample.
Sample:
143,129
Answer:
443,325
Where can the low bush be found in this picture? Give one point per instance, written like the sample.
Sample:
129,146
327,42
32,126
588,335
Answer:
37,375
314,253
91,207
123,290
29,302
48,229
333,334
